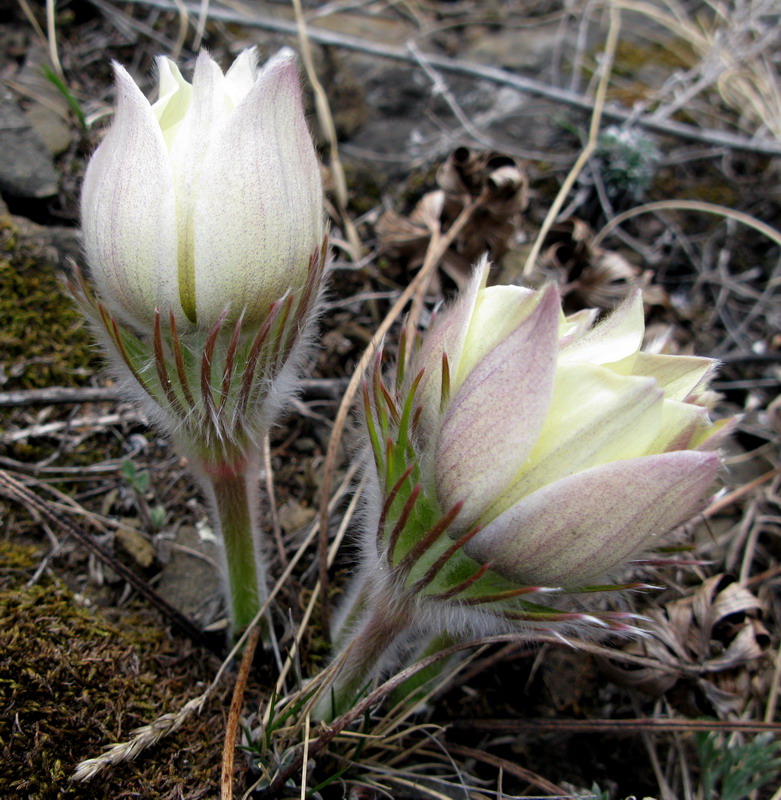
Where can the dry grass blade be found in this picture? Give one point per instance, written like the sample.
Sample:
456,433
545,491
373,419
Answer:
234,714
596,118
329,128
508,766
731,51
690,205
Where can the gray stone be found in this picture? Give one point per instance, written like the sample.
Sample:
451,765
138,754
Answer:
26,165
48,110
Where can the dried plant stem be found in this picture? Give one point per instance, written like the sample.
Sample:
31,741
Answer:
689,205
232,727
51,30
438,246
593,134
329,128
303,625
382,691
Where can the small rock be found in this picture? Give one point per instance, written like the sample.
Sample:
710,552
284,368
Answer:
26,168
190,582
293,516
136,545
48,110
529,50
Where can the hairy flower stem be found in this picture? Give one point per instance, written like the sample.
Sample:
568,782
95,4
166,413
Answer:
233,491
379,630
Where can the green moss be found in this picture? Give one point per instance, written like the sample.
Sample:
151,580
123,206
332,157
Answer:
632,56
72,681
43,340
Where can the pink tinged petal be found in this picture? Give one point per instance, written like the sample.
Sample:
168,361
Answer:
595,417
127,210
259,212
616,338
573,531
446,335
498,311
679,376
495,417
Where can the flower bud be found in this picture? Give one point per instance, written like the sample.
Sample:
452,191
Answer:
521,454
566,445
525,452
209,200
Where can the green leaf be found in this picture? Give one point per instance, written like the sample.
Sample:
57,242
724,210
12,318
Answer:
63,89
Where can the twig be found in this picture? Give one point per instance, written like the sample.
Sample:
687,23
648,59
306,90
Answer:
500,76
637,725
310,387
232,726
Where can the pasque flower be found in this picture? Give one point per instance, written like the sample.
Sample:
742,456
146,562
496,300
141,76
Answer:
208,200
204,234
520,459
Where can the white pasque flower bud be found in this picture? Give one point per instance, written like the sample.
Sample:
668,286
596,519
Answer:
207,201
569,447
520,457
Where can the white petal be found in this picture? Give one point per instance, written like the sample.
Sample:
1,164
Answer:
576,529
175,95
206,117
127,210
259,208
615,338
240,78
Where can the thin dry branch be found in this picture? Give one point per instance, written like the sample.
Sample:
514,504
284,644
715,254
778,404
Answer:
493,74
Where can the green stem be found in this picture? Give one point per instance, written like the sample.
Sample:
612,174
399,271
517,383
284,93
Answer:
380,625
233,490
